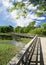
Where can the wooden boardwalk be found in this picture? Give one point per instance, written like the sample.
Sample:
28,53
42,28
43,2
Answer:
34,53
43,44
22,35
39,56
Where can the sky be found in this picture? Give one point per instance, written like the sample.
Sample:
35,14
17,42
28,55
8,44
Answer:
9,18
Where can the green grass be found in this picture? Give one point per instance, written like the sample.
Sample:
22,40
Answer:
23,40
5,41
7,52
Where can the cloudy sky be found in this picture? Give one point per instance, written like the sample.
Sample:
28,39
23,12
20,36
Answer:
7,18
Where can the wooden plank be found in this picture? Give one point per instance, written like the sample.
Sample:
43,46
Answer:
43,44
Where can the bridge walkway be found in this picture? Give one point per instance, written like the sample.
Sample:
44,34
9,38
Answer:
34,53
43,43
37,57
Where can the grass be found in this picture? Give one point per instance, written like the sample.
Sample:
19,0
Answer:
7,51
23,40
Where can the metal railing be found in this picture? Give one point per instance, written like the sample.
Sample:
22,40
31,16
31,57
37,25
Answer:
25,55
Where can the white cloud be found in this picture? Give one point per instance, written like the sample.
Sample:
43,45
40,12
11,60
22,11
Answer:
18,0
3,9
23,22
6,3
31,7
40,18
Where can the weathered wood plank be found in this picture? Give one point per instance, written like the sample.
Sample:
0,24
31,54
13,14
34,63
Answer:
43,44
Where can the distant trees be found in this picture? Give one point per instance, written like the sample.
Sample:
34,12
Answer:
43,25
18,29
40,30
44,28
6,29
25,29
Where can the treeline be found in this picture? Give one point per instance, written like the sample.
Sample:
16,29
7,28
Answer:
40,30
25,29
6,29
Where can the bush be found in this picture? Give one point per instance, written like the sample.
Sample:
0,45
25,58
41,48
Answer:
36,31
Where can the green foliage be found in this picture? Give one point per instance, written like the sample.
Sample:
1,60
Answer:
36,31
41,30
44,32
24,8
43,25
42,7
25,29
18,5
41,3
30,28
23,40
18,29
38,13
6,29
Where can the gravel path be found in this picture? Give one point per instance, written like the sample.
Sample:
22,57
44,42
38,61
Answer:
43,44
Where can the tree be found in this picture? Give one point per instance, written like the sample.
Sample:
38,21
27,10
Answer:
43,25
18,29
28,27
31,25
11,29
6,29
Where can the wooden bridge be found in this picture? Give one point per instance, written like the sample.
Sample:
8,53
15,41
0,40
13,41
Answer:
32,54
22,35
13,35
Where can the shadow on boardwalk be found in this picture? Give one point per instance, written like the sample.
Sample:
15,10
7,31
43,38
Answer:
32,56
37,56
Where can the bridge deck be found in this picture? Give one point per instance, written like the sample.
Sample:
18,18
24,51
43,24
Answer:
43,43
37,58
34,53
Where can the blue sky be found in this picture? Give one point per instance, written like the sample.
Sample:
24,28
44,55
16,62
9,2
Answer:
7,18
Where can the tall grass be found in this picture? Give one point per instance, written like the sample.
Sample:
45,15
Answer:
7,51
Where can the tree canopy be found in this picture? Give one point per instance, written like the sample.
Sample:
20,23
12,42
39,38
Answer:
6,29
